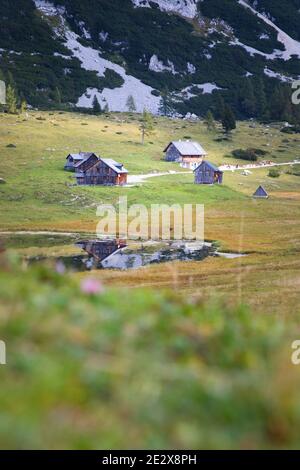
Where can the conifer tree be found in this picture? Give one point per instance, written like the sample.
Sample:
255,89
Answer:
261,100
130,104
209,121
11,100
57,96
219,107
96,106
23,106
147,125
228,121
248,100
165,105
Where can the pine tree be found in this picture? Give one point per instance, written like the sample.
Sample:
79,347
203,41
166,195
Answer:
219,107
277,103
228,121
96,106
209,121
23,106
130,104
165,105
261,100
57,96
11,80
147,125
248,100
11,100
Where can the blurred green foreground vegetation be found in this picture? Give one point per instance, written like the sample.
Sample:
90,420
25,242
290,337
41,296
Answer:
140,369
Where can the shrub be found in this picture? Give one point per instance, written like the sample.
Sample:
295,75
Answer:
294,170
291,130
274,173
248,154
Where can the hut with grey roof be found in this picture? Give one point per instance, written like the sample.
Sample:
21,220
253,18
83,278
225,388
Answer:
188,153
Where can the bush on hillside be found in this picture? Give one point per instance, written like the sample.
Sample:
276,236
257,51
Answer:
274,173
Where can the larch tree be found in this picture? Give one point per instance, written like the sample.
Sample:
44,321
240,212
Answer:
147,125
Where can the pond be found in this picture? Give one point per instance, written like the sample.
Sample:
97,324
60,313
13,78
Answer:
77,253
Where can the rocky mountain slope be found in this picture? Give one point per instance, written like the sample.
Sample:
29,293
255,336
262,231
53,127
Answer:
66,52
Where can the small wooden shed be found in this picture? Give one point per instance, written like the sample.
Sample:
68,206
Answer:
261,193
208,173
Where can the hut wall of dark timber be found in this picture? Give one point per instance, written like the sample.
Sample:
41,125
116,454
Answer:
101,174
207,173
87,163
172,154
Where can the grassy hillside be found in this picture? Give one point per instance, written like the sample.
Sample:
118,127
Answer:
88,371
39,194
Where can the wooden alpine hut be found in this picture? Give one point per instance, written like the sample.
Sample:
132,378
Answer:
208,173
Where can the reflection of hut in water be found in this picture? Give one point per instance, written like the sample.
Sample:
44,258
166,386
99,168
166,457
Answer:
101,249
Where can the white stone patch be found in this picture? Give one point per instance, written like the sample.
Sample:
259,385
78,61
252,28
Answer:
191,68
156,65
278,76
103,36
90,59
292,47
252,51
206,88
84,31
66,57
186,8
48,8
264,36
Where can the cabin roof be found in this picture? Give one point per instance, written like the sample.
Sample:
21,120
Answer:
115,166
211,165
80,156
260,192
187,147
78,164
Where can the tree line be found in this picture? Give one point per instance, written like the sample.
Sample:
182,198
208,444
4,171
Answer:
15,101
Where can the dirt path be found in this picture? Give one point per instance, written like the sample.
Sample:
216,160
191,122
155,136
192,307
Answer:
136,179
256,166
139,179
42,232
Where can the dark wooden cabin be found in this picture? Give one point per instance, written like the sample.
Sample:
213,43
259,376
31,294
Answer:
104,171
208,173
74,159
189,154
